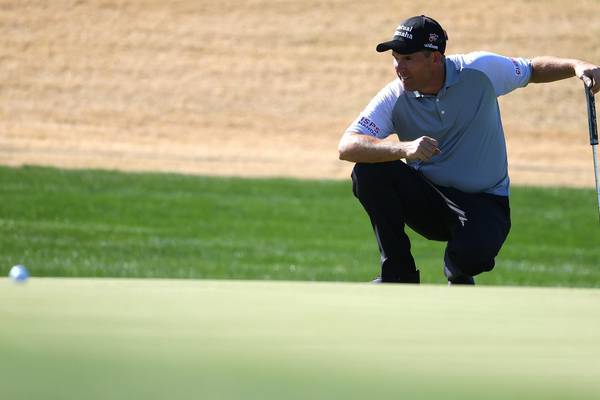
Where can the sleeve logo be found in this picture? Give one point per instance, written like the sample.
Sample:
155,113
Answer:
369,125
517,67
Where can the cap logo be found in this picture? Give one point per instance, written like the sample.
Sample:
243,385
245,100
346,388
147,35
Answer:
433,37
404,31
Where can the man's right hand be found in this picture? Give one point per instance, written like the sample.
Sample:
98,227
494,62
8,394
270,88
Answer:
421,149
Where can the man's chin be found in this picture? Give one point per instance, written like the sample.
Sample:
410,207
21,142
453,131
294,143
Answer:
408,86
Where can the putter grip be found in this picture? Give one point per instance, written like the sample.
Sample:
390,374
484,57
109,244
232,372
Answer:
591,105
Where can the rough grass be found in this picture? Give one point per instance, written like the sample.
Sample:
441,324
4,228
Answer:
261,87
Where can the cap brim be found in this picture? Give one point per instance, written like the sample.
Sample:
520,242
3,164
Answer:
385,46
399,46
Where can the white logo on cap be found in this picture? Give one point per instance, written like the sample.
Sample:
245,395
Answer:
404,31
433,37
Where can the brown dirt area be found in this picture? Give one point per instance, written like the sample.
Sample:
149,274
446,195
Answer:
261,87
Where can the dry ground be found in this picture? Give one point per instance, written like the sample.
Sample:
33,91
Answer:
261,87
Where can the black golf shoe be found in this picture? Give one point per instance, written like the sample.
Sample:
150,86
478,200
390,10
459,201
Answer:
413,277
462,280
456,279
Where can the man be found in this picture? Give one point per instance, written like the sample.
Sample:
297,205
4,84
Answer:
454,185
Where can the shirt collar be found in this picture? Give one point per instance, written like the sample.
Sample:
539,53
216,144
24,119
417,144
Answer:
451,74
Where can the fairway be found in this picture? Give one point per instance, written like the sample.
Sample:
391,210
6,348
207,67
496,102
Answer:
90,223
126,338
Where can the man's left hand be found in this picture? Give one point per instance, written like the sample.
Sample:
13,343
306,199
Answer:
589,74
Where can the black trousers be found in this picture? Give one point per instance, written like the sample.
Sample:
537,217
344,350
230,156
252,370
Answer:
475,225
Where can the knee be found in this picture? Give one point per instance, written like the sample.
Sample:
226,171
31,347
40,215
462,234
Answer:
369,172
369,178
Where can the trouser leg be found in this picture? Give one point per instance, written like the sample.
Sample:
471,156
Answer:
394,195
476,241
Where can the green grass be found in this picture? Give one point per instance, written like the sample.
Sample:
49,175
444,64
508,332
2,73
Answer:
201,339
110,224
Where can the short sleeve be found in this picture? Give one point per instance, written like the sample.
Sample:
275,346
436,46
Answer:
505,73
376,119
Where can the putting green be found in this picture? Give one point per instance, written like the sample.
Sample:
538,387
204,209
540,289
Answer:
155,339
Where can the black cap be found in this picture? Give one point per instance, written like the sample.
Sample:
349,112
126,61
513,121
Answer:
416,34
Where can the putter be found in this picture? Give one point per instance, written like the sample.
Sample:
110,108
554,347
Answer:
591,106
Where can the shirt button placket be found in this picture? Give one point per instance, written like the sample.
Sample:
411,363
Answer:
442,112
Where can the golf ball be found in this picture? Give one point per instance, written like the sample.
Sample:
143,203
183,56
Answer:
18,273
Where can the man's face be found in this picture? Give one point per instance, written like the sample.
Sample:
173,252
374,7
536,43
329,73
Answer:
414,70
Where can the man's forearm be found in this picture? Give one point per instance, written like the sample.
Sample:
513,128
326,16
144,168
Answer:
355,147
366,149
550,69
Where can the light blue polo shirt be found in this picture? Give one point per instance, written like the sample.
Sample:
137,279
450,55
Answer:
464,117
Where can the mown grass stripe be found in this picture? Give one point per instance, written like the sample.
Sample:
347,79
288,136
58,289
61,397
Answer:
106,223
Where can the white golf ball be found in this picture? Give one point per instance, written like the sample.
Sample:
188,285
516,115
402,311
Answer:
18,273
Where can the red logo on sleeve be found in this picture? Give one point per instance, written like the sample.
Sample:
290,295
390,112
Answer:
517,67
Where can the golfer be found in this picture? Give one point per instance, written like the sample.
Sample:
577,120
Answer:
454,185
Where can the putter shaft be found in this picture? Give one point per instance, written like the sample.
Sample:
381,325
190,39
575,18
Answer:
595,153
591,106
593,130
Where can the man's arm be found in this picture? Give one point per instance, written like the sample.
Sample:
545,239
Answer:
356,147
550,69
